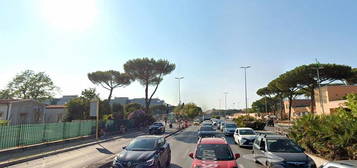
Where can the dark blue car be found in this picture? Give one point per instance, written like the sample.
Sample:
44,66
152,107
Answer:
144,152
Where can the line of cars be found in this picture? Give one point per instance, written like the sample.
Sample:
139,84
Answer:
269,149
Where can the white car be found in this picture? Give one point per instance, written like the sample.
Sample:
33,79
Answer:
244,136
340,164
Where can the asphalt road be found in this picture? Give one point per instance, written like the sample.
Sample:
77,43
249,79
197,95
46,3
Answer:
185,142
100,154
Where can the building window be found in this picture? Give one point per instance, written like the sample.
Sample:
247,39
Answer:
23,118
1,113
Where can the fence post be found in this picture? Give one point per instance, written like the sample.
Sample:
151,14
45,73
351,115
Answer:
44,132
18,135
64,130
79,129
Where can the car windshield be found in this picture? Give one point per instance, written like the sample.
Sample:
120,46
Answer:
214,152
283,145
230,126
206,129
246,132
158,124
142,144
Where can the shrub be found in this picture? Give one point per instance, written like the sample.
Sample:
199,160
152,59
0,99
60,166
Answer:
333,136
249,121
4,122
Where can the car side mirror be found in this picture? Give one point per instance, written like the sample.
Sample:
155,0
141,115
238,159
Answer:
237,155
124,147
191,155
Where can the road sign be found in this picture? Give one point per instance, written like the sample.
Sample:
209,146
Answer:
93,108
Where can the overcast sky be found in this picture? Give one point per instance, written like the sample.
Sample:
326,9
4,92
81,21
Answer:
207,40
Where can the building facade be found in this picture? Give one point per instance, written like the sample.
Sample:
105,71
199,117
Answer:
21,111
55,113
299,107
331,98
141,101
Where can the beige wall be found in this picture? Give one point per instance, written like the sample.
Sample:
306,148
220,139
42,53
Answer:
299,108
332,98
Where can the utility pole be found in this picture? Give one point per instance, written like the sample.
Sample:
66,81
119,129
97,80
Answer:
179,88
225,103
245,86
319,83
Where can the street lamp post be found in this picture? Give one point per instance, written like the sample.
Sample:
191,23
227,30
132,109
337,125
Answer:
245,86
319,83
225,104
179,88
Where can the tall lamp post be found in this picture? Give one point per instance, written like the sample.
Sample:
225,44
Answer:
319,83
179,88
225,103
245,86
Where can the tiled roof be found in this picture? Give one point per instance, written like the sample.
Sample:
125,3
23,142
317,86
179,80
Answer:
7,101
55,106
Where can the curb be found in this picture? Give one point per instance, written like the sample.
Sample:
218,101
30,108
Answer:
41,155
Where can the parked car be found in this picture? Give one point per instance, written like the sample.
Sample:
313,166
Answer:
229,129
340,164
144,151
244,136
157,128
213,151
206,131
280,151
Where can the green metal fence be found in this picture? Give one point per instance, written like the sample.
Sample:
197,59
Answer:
28,134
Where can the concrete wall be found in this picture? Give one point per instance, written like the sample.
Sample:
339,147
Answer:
53,115
26,112
3,111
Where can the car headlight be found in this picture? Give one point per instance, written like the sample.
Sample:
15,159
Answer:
151,161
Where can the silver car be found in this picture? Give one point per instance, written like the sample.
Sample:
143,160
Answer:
276,151
340,164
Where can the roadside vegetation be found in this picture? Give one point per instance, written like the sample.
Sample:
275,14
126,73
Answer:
330,136
249,121
187,111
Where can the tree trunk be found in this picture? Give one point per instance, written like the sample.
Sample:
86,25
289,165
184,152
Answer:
147,103
290,105
110,94
312,103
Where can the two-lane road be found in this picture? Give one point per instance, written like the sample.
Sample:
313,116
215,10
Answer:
99,154
185,142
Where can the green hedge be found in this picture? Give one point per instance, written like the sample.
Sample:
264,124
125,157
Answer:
330,136
251,122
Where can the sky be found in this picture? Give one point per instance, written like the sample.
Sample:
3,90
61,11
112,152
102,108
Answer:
208,40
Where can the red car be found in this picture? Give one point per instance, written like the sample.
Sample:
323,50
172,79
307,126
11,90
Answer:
213,153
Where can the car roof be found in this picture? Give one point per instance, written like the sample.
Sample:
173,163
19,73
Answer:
149,136
212,140
274,136
345,162
245,128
